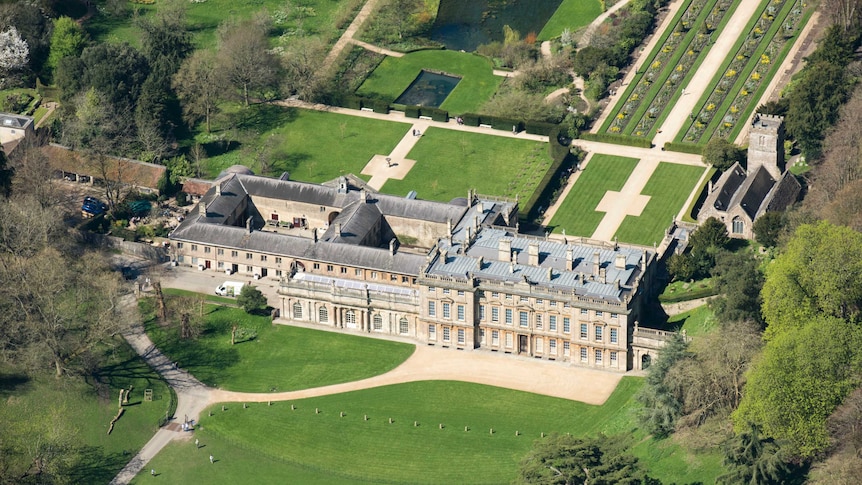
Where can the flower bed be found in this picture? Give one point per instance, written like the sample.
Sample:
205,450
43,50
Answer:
671,63
746,72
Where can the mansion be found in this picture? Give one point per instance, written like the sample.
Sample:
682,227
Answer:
457,275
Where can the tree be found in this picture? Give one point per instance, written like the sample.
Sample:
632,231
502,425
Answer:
738,283
6,174
662,398
844,13
681,267
67,40
198,86
818,274
116,70
754,460
711,235
14,52
34,28
565,459
814,102
303,62
712,375
800,379
179,169
251,299
245,60
722,154
768,228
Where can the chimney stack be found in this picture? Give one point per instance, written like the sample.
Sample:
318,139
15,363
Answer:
392,246
596,263
505,250
480,262
550,274
449,227
444,254
480,207
511,267
314,234
363,196
202,208
249,225
338,230
218,189
533,253
621,261
570,259
603,276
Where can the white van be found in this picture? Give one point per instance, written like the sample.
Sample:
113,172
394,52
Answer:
229,288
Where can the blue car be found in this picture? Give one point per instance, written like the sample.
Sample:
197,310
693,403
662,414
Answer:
93,206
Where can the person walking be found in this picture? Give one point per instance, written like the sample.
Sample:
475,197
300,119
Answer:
152,472
212,460
197,444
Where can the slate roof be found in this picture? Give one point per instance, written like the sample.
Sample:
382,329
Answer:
753,192
15,121
727,185
552,255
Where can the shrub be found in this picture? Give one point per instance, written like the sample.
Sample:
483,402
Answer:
352,102
617,139
470,119
411,111
538,127
379,106
439,115
561,160
672,146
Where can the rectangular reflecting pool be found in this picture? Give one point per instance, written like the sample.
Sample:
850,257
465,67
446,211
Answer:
428,89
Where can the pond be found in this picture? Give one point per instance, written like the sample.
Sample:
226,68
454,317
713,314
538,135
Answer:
464,25
428,89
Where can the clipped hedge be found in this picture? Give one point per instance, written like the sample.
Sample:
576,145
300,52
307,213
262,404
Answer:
617,139
672,146
379,106
539,127
352,102
411,111
470,119
439,115
561,160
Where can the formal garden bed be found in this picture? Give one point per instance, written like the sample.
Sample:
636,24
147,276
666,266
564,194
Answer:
668,188
670,65
577,214
745,74
413,448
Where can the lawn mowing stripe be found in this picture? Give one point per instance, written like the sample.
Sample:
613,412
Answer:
668,188
577,214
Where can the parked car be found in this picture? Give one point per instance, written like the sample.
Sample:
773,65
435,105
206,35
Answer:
93,206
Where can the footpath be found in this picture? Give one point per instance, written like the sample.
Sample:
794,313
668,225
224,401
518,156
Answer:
426,363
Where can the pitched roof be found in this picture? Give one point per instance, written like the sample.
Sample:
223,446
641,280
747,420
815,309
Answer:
753,192
124,170
727,186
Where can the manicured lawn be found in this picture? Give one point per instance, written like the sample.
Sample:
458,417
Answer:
668,188
395,74
572,15
204,18
281,357
577,214
45,401
684,290
695,322
451,162
326,448
314,146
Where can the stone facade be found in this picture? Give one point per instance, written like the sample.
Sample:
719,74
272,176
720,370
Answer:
469,280
741,196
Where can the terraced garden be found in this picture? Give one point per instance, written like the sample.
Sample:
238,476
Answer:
669,67
745,74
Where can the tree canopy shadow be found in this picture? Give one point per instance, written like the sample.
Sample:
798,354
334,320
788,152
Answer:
11,383
94,465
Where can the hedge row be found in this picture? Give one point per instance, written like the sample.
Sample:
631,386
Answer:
358,102
617,139
496,122
561,160
673,146
436,114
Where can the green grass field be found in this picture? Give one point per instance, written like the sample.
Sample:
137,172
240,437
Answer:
204,18
668,188
451,162
572,15
327,448
577,214
314,146
43,403
695,322
395,74
282,358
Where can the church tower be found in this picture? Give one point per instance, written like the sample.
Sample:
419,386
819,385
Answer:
766,145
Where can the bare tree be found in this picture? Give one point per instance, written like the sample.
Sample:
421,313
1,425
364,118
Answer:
245,60
845,13
199,87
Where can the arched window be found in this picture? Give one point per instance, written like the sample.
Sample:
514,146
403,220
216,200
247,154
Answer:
323,314
377,321
350,318
402,326
738,225
297,311
646,360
